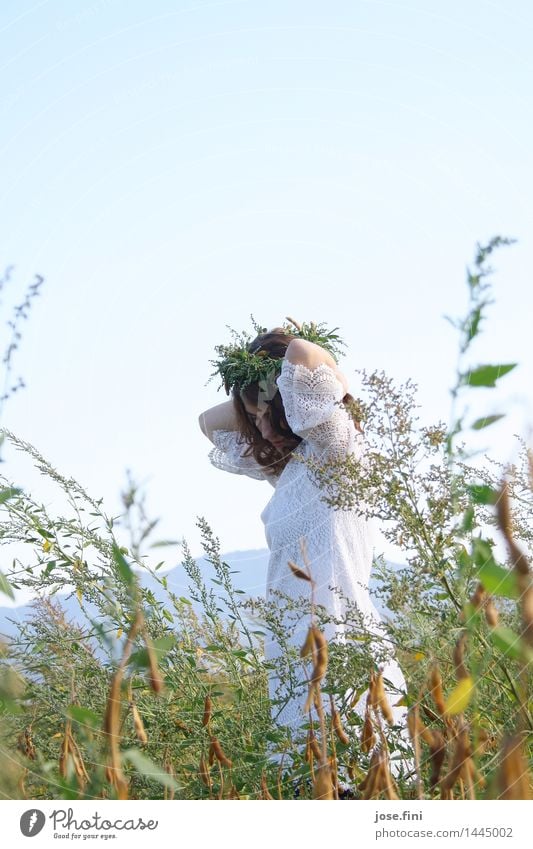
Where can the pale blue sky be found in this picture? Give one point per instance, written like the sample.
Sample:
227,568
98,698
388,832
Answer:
171,168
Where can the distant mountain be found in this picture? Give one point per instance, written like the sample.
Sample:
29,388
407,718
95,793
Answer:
249,570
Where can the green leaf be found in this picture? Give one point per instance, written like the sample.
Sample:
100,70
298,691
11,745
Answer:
473,323
168,616
148,768
161,646
468,519
124,569
165,542
479,424
49,566
510,643
84,716
10,492
482,494
486,375
5,587
460,697
495,578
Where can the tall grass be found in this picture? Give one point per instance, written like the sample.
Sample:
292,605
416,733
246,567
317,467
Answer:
150,698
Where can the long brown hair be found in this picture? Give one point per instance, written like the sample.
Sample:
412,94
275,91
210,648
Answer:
275,342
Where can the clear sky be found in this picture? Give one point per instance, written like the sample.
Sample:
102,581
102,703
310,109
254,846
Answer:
172,167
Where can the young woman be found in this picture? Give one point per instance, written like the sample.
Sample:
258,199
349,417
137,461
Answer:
274,421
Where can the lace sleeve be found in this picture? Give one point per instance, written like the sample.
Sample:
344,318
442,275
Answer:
228,456
311,400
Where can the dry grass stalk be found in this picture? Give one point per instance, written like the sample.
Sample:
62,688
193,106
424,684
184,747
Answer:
155,677
203,772
524,581
265,792
114,772
513,781
316,644
437,753
415,727
530,466
314,746
168,792
70,753
458,769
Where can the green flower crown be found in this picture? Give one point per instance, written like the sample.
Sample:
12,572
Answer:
237,365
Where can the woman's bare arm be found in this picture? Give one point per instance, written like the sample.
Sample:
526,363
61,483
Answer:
221,417
310,355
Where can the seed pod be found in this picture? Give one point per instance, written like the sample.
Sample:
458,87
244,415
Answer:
372,783
478,596
368,738
339,730
155,678
381,698
458,656
207,711
25,744
308,645
315,748
219,752
320,656
389,783
297,572
503,514
323,784
138,724
436,690
514,778
491,613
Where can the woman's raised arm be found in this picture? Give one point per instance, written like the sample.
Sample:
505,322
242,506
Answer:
305,353
220,417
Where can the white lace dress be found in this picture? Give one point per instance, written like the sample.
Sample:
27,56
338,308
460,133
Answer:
339,542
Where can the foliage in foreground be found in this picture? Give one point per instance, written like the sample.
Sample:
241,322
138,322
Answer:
154,697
